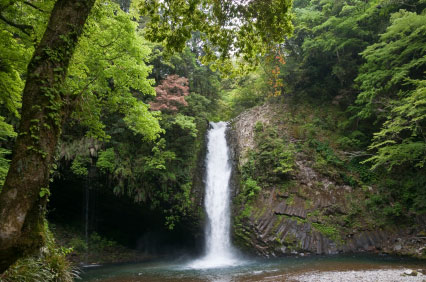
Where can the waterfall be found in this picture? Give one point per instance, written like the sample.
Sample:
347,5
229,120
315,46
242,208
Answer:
219,250
86,219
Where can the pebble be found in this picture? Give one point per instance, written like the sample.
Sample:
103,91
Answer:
382,275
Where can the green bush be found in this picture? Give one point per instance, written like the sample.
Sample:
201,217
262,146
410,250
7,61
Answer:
324,149
273,158
96,242
106,160
78,245
251,188
79,165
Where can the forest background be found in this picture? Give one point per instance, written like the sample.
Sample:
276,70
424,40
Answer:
360,64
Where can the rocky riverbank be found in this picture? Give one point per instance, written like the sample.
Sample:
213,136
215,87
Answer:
382,275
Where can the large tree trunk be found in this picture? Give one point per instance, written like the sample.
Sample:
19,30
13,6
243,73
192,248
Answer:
22,203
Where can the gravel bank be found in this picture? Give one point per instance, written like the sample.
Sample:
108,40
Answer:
382,275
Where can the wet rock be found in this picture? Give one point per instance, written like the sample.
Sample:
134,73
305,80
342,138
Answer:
284,209
334,209
284,195
315,219
410,272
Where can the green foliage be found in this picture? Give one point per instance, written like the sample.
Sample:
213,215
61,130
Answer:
323,57
270,163
172,23
198,106
328,231
79,166
14,57
381,46
354,140
98,243
245,91
102,79
4,165
186,123
394,64
106,161
202,80
6,131
44,192
15,53
399,197
258,127
160,173
327,153
78,245
16,48
273,158
366,175
158,161
251,188
401,140
394,90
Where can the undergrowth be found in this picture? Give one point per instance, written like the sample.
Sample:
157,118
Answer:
50,265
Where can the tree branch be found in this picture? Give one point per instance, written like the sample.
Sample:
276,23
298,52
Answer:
34,6
21,27
357,154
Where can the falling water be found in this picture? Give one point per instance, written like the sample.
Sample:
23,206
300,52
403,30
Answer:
219,250
86,220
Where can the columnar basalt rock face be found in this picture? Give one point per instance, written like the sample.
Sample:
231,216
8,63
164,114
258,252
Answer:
243,131
310,215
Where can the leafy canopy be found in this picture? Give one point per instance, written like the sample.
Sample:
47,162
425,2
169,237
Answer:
394,88
108,74
244,29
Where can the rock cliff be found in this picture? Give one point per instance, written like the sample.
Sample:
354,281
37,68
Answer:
317,206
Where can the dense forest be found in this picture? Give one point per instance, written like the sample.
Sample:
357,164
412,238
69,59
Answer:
120,93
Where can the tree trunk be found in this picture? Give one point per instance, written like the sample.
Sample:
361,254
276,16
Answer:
24,195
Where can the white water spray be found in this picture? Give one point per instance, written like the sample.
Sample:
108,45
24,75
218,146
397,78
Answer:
219,250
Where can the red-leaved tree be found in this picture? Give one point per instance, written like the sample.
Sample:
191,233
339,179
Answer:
171,94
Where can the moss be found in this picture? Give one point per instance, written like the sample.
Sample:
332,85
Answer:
247,211
290,239
277,223
278,240
314,213
329,231
295,218
286,185
260,212
243,237
290,200
291,242
270,162
308,204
